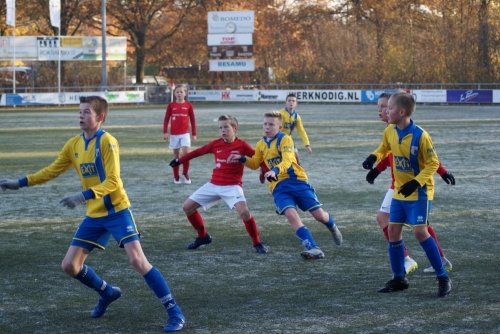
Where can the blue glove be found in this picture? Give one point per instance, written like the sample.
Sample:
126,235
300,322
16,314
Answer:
174,163
72,201
9,184
372,175
409,188
368,163
448,178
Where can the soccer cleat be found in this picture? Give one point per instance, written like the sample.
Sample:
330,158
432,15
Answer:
186,179
103,303
177,181
313,253
260,248
174,324
337,236
410,265
200,241
395,284
446,264
444,286
262,178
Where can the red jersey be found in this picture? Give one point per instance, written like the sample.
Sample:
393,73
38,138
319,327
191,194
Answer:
224,174
387,162
179,112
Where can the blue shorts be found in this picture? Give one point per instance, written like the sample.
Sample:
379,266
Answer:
413,213
95,232
291,193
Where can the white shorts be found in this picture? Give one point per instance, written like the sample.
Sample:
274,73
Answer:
386,203
209,194
178,141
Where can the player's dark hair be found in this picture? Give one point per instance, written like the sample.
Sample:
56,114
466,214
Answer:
405,101
385,95
232,120
98,103
290,95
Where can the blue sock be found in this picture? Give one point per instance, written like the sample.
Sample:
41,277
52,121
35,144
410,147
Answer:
157,283
306,237
397,257
331,222
88,277
432,252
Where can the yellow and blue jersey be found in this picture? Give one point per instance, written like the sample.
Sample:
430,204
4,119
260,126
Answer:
278,154
97,163
414,157
291,121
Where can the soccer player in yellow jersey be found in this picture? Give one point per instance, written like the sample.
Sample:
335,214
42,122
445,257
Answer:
291,120
288,183
414,163
95,156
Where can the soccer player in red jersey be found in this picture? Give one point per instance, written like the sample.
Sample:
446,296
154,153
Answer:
225,183
181,112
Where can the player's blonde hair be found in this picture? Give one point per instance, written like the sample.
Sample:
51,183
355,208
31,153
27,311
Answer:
274,114
231,119
98,104
405,101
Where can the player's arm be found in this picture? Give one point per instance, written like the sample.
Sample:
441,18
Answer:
252,162
287,156
168,114
380,153
429,159
205,149
445,175
302,133
192,119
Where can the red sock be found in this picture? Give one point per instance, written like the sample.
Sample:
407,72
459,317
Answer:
197,222
433,234
386,233
185,168
252,231
176,172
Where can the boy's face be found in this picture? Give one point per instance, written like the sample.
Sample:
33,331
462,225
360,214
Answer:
180,94
89,120
227,132
291,103
271,126
394,113
382,109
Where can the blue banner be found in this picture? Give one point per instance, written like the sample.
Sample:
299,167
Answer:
373,95
469,96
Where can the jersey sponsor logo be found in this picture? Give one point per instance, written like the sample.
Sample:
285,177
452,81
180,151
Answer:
88,169
274,161
287,125
402,164
287,148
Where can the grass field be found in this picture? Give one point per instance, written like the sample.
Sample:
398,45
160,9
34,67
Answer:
225,287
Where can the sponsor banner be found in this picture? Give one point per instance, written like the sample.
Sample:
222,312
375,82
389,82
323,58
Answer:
204,95
373,95
496,96
239,95
327,95
230,22
70,98
232,65
271,95
224,52
429,95
72,42
234,39
469,96
26,48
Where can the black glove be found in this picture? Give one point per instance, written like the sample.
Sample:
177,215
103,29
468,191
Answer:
174,163
409,188
372,175
448,178
272,179
368,163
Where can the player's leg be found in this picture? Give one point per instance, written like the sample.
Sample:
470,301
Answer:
156,283
185,145
177,179
250,226
446,263
312,250
325,218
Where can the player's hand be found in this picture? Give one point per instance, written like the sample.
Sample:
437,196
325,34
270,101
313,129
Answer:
165,136
174,163
368,163
72,201
372,175
409,188
309,149
233,158
9,184
448,178
271,176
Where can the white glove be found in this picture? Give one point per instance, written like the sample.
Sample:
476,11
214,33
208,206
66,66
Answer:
72,201
9,184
